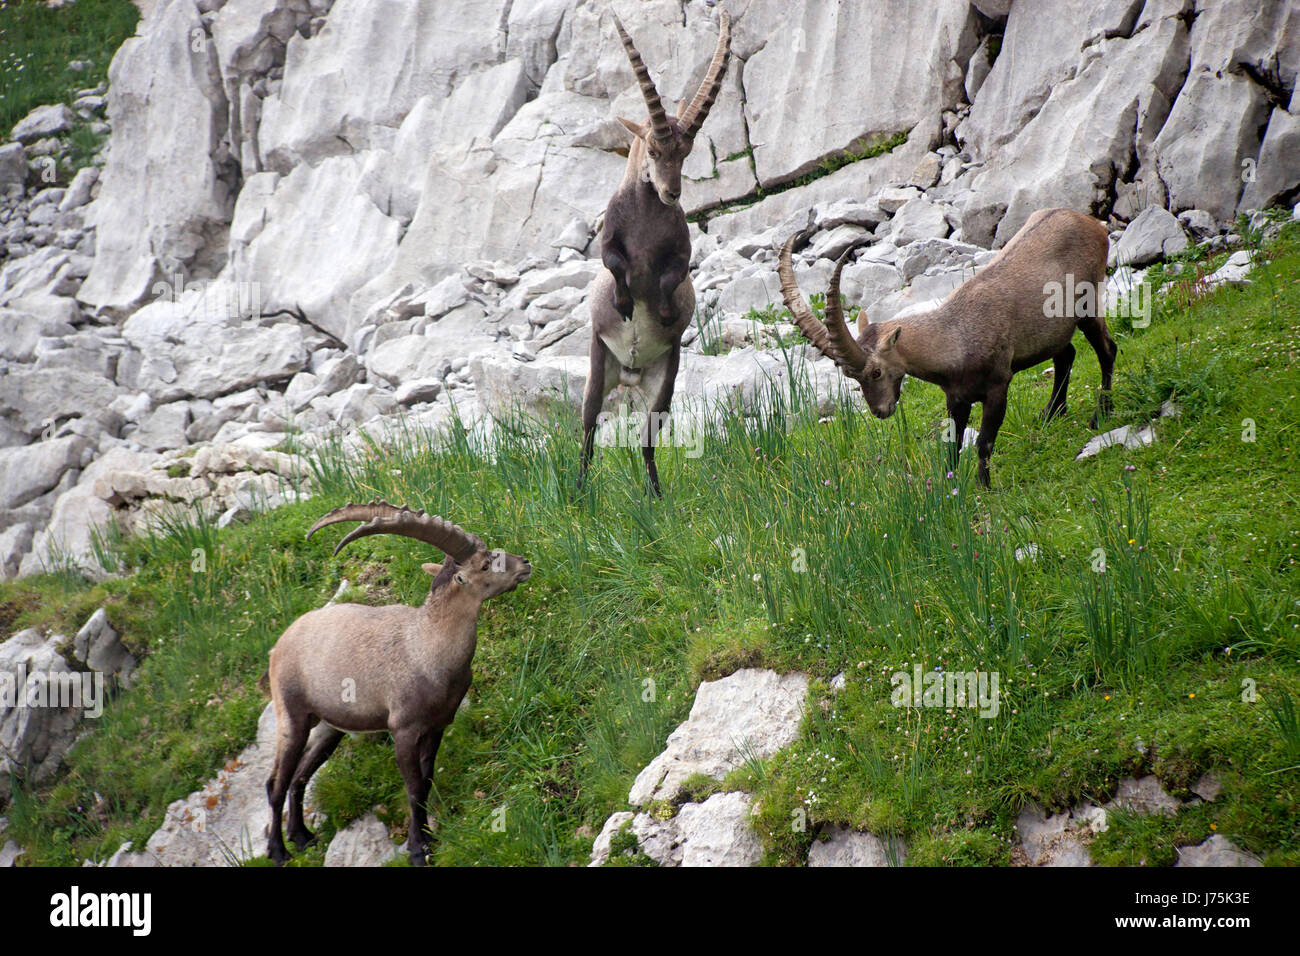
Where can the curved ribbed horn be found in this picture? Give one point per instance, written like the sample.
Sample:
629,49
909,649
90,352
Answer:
832,337
698,111
658,117
383,518
842,338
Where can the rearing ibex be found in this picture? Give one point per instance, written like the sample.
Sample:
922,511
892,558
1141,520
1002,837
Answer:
643,300
992,326
349,667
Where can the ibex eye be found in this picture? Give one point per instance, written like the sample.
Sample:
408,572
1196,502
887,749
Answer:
875,373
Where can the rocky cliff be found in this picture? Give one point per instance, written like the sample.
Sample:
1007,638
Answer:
317,213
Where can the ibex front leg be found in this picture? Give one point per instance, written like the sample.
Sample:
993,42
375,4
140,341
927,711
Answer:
616,262
407,742
959,415
675,271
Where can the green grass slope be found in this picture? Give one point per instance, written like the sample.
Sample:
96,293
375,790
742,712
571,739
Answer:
825,546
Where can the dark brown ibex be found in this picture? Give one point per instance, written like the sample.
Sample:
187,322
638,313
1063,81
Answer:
643,301
353,668
1021,309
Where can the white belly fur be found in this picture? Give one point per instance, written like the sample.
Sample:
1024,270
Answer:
638,341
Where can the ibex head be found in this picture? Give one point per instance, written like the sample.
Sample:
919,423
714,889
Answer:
482,573
665,141
870,360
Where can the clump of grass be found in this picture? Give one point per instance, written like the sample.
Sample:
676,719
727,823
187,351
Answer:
1286,719
863,148
860,149
625,849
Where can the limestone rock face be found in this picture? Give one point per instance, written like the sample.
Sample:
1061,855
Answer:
715,832
756,709
171,212
814,65
99,647
34,735
41,122
1218,850
1069,118
851,848
1059,839
364,842
200,346
1154,234
32,470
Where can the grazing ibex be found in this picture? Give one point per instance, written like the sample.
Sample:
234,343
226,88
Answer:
1003,320
353,668
643,301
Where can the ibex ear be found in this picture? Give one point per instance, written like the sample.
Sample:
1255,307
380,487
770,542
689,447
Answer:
636,129
431,569
890,340
863,322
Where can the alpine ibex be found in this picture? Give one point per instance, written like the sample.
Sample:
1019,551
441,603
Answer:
994,325
643,301
353,668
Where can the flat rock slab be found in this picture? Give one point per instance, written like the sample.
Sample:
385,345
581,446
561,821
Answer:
854,848
363,842
1062,839
1126,436
1218,850
750,711
1144,795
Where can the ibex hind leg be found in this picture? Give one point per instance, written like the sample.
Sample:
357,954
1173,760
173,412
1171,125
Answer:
1062,362
1098,336
291,740
599,384
320,745
662,401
